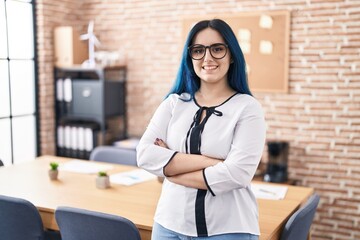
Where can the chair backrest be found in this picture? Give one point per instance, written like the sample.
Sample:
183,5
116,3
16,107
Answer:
81,224
1,163
298,225
19,219
113,154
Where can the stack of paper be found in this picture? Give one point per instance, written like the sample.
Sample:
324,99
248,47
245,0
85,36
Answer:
131,177
266,191
80,166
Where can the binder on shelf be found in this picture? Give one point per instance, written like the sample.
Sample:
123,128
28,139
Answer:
89,143
81,142
67,143
74,142
60,140
90,140
67,94
60,96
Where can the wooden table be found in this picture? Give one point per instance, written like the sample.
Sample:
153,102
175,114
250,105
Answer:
137,202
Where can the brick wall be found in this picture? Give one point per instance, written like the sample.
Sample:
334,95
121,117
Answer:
320,116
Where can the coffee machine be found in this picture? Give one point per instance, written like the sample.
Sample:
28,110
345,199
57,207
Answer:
276,170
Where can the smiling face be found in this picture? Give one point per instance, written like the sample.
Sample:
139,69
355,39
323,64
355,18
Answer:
209,69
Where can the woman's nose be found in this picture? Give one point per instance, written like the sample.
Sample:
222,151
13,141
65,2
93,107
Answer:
208,54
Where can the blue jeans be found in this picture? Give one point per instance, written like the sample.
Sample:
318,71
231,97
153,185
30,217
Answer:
161,233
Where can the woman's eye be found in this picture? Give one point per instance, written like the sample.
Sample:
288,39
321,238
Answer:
198,51
218,49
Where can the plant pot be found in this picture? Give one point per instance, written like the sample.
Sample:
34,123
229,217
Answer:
103,182
53,174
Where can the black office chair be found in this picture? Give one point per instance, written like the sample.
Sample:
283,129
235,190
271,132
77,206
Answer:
20,219
113,154
298,225
81,224
1,163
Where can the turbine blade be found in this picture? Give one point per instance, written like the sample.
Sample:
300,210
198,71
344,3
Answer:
84,36
91,27
96,41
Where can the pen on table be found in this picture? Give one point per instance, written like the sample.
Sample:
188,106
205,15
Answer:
266,191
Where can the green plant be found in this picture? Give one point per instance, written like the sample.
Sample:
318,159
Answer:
54,166
102,174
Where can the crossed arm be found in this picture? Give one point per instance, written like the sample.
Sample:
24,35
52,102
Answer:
187,169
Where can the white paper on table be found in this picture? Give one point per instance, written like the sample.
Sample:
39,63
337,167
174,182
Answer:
131,177
80,166
265,191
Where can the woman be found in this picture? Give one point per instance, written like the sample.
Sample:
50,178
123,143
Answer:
206,138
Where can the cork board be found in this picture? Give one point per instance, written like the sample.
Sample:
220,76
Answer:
264,39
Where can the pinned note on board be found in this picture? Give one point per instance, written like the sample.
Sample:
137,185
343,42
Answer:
265,21
266,47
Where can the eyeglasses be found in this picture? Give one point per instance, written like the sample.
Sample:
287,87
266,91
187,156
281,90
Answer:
217,51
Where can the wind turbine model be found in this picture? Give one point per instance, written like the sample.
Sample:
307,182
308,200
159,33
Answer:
93,41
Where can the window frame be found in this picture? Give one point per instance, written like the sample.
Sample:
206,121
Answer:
34,59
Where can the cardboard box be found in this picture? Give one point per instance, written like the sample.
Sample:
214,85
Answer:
69,49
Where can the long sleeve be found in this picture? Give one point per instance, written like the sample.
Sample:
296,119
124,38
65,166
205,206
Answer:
245,152
151,157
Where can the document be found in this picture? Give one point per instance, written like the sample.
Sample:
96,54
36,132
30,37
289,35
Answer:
80,166
131,177
266,191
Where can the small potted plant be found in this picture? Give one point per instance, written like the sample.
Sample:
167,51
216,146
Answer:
54,172
102,180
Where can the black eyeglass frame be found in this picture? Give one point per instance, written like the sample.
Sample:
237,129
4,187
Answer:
208,47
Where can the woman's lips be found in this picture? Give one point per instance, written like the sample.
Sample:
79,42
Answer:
209,67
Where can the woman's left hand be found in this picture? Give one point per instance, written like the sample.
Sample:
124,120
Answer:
160,143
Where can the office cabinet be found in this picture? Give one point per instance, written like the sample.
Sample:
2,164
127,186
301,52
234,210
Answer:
90,108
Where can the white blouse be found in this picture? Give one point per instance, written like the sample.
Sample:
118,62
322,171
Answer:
234,131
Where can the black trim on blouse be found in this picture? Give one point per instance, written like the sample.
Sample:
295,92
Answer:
200,216
207,184
196,129
193,146
168,163
219,104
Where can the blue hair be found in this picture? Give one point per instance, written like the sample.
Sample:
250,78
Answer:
188,82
